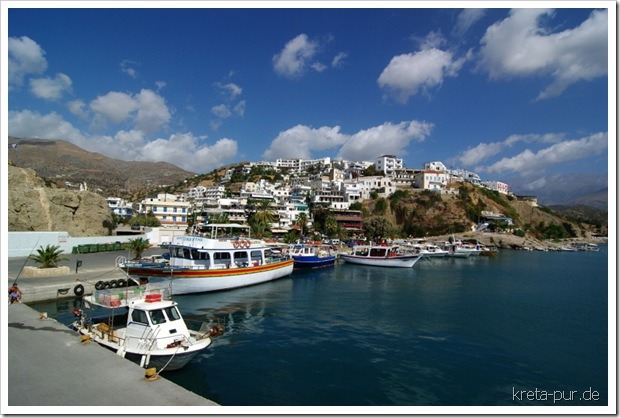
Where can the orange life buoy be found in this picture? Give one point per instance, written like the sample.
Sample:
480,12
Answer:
236,244
247,243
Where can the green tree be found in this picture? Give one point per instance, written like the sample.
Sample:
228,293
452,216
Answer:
302,222
48,257
331,226
138,246
378,228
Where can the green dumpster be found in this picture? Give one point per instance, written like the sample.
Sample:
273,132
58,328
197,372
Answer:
74,250
93,248
118,246
109,247
83,248
102,247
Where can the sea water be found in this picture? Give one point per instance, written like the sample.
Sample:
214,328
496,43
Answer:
518,328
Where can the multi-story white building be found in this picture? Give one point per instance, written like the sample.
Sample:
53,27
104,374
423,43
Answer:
384,186
388,164
167,208
498,186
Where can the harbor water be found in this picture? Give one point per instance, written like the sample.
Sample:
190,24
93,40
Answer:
450,332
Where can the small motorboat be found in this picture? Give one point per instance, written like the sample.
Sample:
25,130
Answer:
141,324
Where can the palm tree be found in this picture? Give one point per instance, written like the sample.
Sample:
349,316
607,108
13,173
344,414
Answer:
49,256
138,246
302,222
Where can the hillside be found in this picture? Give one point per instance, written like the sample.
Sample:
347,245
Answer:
424,213
59,162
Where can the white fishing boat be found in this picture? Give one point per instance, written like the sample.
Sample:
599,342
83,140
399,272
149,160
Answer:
206,264
141,324
380,256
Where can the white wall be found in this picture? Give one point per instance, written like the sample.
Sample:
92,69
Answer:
22,244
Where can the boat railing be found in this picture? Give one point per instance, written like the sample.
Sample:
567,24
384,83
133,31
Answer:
118,297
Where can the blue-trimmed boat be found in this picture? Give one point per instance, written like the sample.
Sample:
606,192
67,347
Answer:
312,256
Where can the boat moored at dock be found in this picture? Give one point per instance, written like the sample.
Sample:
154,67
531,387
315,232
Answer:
312,256
200,264
141,324
380,256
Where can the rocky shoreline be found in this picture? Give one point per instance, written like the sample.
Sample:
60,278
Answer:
509,241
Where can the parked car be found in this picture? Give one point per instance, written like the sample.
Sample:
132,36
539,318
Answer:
135,227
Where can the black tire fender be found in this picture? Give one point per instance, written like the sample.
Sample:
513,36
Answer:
78,290
100,285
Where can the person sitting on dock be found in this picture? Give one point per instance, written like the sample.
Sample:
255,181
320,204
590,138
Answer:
15,294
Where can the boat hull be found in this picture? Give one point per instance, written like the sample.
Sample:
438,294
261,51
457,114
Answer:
184,281
160,359
304,262
399,261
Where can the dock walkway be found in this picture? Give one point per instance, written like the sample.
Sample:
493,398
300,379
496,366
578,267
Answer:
49,366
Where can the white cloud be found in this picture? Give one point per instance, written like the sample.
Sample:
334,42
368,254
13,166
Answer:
466,19
160,85
128,67
230,90
76,107
338,60
295,57
484,151
388,138
519,46
147,109
408,74
51,88
299,142
239,108
152,111
184,150
221,111
25,57
114,106
529,162
29,124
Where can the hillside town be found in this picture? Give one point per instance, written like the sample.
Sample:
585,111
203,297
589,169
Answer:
299,185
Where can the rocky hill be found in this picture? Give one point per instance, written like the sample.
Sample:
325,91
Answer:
34,207
424,213
67,165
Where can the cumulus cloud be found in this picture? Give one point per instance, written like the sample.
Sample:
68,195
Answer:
114,106
152,111
147,109
231,93
185,150
299,142
393,138
29,124
519,46
76,107
408,74
51,88
529,162
25,57
295,57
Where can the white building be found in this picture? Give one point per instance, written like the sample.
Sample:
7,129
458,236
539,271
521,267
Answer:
498,186
119,206
167,208
388,164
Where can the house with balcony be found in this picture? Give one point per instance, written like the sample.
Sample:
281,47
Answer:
120,207
388,164
168,208
431,180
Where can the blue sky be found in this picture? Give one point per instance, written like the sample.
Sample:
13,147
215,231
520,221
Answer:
516,95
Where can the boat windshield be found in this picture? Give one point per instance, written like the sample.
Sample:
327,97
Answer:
157,317
172,313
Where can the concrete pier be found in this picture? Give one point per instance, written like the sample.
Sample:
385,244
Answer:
49,366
